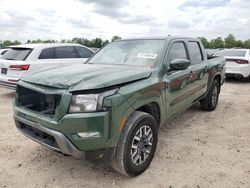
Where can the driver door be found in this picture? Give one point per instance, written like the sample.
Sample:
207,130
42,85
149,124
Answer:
178,91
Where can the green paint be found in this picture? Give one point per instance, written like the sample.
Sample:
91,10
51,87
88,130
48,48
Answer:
138,86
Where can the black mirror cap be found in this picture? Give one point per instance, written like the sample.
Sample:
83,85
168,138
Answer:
179,64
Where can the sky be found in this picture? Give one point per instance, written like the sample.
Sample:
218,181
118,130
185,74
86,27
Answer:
65,19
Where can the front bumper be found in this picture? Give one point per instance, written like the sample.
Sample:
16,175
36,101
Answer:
47,137
61,136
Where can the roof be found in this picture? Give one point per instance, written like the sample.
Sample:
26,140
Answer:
161,38
43,45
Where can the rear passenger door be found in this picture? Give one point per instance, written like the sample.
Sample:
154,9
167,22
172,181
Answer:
199,67
54,57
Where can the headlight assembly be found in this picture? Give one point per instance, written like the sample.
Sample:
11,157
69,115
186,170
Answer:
88,102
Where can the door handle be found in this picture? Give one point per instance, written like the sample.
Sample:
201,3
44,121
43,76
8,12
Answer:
205,68
191,74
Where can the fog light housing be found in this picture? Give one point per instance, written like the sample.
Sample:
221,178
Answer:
89,135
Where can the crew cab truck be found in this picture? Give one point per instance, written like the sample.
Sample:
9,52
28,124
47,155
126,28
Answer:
111,107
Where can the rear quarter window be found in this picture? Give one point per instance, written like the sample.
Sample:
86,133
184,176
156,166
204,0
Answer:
195,52
84,52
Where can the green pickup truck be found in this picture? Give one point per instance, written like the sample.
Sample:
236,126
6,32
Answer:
110,108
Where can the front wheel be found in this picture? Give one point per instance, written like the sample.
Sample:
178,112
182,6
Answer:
137,144
210,102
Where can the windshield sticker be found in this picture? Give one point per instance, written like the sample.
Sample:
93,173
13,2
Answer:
147,55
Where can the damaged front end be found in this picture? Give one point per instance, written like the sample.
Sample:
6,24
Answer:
42,114
36,101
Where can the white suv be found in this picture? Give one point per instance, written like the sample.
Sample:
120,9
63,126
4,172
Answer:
23,59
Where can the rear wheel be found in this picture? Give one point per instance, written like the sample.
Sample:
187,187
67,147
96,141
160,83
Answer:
209,103
137,144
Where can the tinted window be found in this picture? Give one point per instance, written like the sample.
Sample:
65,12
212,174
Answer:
238,53
177,51
83,52
47,54
65,52
19,54
195,52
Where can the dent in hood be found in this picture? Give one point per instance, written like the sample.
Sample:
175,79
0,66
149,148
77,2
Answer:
87,76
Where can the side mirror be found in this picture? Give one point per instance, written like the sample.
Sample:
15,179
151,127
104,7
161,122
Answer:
179,64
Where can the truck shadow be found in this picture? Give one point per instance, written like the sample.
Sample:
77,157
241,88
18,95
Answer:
82,170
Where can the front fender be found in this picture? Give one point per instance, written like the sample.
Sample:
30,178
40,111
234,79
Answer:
140,96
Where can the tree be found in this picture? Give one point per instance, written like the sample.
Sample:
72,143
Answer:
37,41
247,44
7,43
217,43
105,42
63,41
115,38
16,42
205,42
239,43
97,43
230,41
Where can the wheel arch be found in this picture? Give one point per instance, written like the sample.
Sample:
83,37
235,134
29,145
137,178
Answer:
217,77
152,108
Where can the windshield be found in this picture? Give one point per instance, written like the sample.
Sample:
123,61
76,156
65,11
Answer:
144,53
18,54
238,53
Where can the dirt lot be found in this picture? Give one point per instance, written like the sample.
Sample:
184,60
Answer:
197,149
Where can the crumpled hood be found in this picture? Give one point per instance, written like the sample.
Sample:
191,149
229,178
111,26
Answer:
86,76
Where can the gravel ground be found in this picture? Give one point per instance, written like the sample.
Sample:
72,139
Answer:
195,149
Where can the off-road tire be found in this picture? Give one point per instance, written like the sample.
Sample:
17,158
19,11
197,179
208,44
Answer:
209,103
122,160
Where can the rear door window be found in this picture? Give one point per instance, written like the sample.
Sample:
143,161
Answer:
195,52
84,52
177,51
48,53
17,54
65,52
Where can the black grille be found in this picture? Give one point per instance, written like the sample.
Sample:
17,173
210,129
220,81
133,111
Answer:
38,135
39,102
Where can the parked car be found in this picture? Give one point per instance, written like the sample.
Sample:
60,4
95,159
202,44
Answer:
110,108
237,62
95,49
211,52
22,59
3,51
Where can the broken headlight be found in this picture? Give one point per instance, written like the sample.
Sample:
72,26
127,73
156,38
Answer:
88,102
